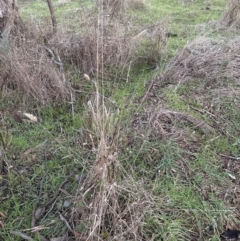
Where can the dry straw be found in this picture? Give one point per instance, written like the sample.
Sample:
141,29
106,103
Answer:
81,50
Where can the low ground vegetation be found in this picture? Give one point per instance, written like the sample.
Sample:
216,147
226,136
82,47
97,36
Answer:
137,130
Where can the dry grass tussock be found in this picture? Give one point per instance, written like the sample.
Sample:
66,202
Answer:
82,50
211,61
231,16
28,68
111,44
111,208
109,203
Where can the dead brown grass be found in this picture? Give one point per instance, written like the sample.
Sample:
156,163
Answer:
231,16
112,44
29,71
109,203
214,62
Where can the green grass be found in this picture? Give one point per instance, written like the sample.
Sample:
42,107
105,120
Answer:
188,185
45,168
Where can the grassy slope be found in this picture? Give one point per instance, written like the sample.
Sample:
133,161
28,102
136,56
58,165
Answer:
192,195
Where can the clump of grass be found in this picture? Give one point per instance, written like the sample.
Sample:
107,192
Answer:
231,16
205,58
112,40
150,44
27,70
82,50
112,205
